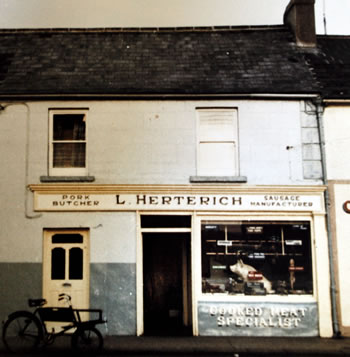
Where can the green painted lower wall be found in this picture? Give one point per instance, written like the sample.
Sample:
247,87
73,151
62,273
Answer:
18,283
112,288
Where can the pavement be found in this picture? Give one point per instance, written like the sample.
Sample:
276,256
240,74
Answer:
228,346
206,346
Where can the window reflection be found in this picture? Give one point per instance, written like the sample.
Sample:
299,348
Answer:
256,258
75,263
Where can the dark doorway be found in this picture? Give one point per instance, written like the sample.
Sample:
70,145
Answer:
166,270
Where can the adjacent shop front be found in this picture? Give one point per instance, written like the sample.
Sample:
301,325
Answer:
217,259
340,214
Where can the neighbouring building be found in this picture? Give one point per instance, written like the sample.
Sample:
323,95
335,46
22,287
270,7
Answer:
331,63
172,177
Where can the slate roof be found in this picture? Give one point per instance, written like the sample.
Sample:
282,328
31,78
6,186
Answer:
153,62
331,66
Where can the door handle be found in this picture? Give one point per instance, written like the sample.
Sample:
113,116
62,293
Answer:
67,285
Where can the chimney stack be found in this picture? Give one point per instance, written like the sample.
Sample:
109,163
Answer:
300,17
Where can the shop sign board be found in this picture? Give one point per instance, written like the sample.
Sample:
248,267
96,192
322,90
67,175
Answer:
199,202
258,319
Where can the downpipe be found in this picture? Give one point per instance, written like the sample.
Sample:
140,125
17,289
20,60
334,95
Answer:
27,152
318,103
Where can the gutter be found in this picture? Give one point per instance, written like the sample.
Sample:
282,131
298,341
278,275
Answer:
159,96
339,102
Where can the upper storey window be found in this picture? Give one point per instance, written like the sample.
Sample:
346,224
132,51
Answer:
68,140
218,142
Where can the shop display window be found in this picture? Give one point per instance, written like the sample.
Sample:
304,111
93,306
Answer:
256,258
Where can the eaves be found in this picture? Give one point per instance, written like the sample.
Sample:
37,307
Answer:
226,96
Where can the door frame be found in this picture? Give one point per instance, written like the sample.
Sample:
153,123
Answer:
139,266
49,232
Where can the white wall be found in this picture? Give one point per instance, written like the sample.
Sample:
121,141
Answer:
342,248
337,142
154,142
132,142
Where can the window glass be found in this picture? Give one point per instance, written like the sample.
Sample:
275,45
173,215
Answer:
217,147
217,125
69,127
256,258
60,238
165,221
75,263
68,143
69,155
58,264
217,158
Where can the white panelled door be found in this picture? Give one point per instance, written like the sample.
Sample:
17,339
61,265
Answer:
66,267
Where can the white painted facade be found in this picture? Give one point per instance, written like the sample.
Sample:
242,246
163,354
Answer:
143,142
337,141
153,144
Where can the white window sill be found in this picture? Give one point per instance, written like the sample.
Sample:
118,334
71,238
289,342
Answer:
218,179
67,178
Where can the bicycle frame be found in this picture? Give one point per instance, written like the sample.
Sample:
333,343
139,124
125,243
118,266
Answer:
69,317
30,328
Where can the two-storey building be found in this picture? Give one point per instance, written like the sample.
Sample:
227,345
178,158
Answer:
172,177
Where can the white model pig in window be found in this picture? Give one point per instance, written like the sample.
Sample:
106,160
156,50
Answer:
242,270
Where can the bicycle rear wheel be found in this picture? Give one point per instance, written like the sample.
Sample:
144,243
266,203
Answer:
21,332
87,340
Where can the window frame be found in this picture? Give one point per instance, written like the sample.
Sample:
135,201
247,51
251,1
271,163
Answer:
67,171
235,141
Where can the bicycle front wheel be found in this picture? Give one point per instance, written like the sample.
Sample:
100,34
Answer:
21,332
87,340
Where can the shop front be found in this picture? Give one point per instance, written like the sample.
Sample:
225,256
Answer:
257,277
217,260
340,214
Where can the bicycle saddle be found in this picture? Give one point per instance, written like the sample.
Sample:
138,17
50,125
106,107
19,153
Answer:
36,302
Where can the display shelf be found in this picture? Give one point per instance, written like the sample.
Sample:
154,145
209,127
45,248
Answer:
255,258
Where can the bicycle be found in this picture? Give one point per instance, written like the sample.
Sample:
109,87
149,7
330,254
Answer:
23,331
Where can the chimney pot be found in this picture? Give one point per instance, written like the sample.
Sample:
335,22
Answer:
300,17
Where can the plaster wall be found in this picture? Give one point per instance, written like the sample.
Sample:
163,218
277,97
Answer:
337,141
129,142
133,142
341,194
155,141
112,236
